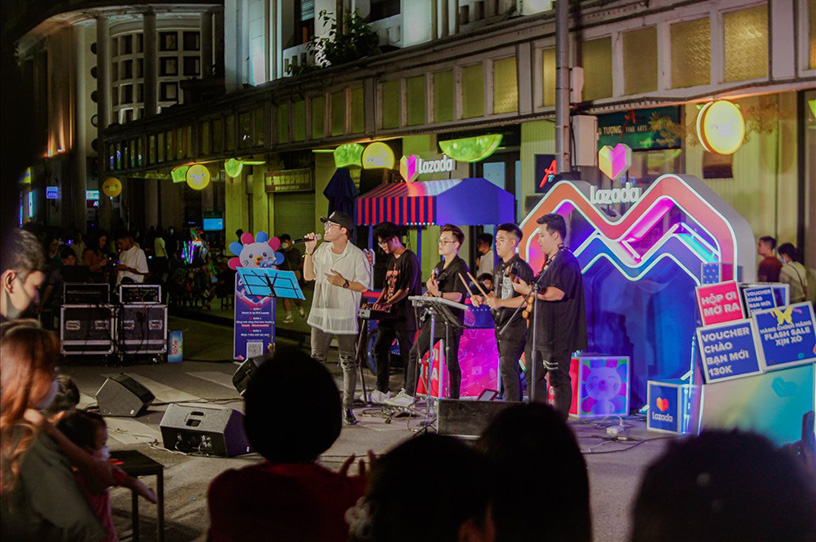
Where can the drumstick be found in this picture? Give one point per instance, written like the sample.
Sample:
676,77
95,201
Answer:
479,286
466,284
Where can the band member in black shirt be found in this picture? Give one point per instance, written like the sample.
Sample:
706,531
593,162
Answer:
561,321
402,279
444,282
511,328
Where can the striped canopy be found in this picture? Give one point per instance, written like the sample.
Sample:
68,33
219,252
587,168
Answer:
466,202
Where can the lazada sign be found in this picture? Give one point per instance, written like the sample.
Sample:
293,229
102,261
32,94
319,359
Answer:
413,166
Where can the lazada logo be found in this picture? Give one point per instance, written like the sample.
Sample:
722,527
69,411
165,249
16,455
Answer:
663,405
412,166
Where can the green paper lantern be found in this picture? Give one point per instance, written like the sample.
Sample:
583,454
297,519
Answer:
471,149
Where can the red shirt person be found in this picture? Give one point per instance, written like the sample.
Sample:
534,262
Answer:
770,266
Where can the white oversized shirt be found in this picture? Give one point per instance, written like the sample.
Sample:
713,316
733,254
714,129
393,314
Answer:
334,308
133,257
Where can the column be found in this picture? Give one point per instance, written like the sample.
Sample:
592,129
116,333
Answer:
207,63
151,65
103,101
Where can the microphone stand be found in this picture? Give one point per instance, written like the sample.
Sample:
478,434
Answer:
535,288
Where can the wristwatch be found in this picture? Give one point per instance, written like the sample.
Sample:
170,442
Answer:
346,284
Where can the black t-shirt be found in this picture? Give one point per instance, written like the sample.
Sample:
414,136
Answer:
402,274
292,261
561,325
503,289
448,280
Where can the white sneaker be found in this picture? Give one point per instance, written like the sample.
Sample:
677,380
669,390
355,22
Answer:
301,312
402,400
289,318
378,398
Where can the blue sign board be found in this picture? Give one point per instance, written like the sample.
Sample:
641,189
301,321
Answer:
52,192
254,323
728,351
665,406
786,336
759,298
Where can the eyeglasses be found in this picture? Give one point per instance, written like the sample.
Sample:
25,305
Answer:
443,241
329,225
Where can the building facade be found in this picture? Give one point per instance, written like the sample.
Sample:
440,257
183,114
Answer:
446,69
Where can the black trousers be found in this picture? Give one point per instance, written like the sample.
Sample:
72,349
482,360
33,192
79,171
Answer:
423,344
382,352
510,350
556,365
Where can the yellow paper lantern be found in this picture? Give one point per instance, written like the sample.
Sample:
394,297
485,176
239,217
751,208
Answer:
721,127
198,177
377,155
112,187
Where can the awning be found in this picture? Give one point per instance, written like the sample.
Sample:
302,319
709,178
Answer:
466,202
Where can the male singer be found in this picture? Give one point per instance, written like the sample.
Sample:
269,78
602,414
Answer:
511,328
444,282
561,321
341,273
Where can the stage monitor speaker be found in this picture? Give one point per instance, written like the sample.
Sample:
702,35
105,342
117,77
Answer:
245,372
121,395
468,418
204,431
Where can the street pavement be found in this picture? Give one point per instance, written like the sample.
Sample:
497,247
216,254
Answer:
204,379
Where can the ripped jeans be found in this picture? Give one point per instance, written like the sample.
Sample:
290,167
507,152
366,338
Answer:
346,344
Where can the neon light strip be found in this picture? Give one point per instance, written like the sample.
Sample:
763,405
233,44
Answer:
676,190
602,246
644,271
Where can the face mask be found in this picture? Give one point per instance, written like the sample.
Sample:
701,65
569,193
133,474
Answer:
103,453
46,401
285,246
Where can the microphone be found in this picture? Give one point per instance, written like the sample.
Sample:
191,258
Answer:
317,237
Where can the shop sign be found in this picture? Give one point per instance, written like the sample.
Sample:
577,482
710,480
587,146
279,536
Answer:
728,351
786,335
719,303
634,128
52,192
721,127
413,166
92,195
289,180
626,194
546,167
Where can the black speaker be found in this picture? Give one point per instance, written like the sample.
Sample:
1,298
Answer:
245,372
120,395
468,418
204,431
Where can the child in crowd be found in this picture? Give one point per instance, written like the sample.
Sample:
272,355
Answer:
89,431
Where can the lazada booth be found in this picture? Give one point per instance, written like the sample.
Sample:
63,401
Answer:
645,256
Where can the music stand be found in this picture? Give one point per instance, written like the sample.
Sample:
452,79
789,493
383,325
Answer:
437,306
268,282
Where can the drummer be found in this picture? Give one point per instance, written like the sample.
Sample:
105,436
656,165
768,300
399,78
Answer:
402,279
